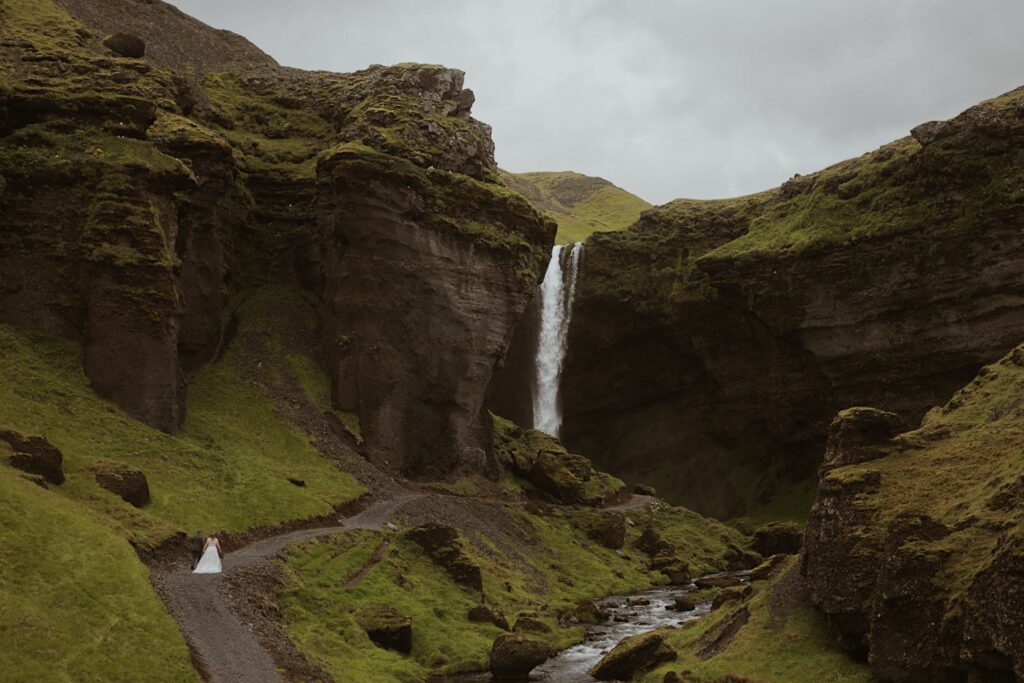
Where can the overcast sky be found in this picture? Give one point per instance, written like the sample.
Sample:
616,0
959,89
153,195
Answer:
669,98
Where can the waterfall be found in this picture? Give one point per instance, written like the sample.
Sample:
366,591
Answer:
556,296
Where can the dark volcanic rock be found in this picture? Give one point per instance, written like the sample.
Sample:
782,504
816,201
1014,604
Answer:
35,455
444,547
633,655
387,628
777,538
713,342
489,615
129,484
126,45
859,435
515,656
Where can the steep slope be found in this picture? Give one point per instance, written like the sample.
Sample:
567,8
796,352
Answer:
141,193
915,545
714,340
579,204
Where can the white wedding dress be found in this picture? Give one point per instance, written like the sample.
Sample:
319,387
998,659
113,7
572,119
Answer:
209,563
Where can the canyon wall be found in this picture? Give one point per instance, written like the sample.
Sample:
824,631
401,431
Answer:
147,180
714,340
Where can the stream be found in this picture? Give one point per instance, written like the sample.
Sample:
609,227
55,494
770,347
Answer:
628,615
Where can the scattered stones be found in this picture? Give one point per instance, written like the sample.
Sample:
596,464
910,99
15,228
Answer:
126,45
35,455
488,615
778,538
633,655
129,484
515,656
387,628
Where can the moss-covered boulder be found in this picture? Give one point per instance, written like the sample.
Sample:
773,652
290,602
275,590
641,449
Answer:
514,656
633,655
445,548
127,483
778,538
34,455
387,627
488,615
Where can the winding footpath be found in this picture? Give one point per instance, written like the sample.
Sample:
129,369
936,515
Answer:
228,650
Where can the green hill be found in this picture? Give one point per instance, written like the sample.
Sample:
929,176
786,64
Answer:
580,204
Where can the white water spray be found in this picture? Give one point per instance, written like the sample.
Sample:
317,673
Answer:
556,296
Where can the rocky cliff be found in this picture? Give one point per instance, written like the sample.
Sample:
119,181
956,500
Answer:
151,168
714,340
915,544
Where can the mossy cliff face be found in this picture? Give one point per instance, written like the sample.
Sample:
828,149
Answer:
713,341
139,193
915,545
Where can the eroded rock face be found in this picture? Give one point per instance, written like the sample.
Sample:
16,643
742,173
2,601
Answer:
914,556
713,342
387,628
128,484
35,455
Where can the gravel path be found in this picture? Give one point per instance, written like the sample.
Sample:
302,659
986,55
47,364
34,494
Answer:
227,650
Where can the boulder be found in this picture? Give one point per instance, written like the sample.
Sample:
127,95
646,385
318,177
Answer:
530,622
858,435
927,133
726,595
488,615
607,528
677,570
387,628
684,603
588,612
126,45
737,559
778,538
633,655
129,484
718,581
515,656
443,546
35,455
644,490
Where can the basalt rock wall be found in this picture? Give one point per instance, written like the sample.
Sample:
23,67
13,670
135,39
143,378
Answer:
714,340
141,194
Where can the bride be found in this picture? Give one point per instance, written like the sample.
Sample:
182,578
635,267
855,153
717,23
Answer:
210,561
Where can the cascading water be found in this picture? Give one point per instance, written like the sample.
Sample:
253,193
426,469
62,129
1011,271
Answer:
556,296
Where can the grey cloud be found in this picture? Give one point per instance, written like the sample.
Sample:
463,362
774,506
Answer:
669,98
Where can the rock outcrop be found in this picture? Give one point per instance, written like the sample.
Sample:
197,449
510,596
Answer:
35,455
915,555
633,655
128,484
387,628
713,341
150,176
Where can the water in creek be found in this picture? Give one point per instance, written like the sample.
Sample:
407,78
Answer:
628,616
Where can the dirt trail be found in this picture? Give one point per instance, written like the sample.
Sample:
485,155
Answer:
227,650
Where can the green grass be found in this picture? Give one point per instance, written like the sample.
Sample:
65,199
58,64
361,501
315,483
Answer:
792,648
227,468
75,602
579,204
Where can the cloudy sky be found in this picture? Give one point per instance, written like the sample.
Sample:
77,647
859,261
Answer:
669,98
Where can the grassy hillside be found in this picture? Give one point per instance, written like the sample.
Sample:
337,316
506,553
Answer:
580,204
75,602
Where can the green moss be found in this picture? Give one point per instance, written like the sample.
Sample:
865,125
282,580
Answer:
75,603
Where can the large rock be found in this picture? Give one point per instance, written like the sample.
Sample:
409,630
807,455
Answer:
444,547
607,528
515,656
126,45
387,628
858,435
129,484
489,615
35,455
778,538
916,557
633,655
